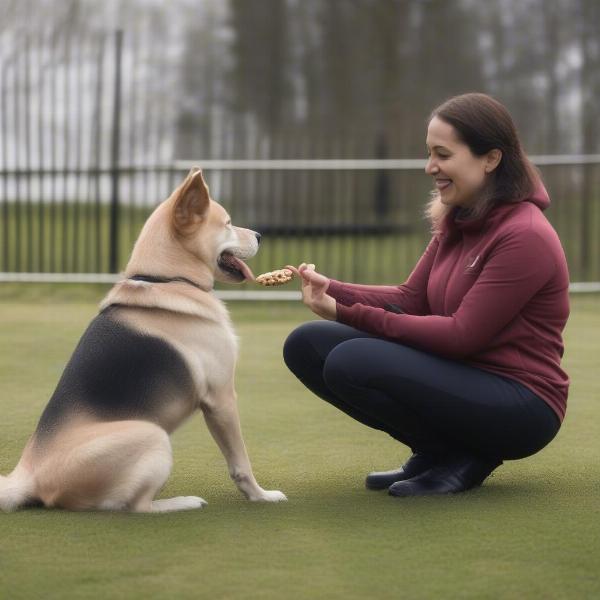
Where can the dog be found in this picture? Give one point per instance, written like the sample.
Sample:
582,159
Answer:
161,348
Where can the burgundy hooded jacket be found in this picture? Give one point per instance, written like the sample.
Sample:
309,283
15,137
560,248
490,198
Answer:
492,293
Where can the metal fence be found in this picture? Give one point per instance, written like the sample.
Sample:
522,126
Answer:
357,220
81,169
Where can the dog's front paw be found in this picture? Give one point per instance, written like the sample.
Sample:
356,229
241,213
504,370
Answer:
270,496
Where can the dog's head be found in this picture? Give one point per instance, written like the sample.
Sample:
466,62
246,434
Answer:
204,228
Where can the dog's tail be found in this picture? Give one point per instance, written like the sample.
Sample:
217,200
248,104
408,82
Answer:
15,490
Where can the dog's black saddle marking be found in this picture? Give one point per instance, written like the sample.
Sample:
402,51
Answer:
116,373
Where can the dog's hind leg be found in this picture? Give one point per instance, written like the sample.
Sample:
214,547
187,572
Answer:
117,465
154,468
150,473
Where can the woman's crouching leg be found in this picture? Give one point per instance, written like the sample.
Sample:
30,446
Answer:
305,352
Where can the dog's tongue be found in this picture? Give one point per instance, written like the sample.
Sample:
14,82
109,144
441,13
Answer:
244,268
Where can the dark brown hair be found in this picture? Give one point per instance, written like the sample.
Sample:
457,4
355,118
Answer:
484,124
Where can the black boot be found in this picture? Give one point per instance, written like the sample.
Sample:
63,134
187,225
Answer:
418,463
452,475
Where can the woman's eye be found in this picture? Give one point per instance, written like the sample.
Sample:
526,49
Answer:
439,155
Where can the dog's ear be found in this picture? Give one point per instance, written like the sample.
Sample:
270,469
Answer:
191,203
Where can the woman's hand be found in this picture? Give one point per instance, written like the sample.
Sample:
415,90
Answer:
314,286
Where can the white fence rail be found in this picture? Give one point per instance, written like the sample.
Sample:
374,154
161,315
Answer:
576,287
335,164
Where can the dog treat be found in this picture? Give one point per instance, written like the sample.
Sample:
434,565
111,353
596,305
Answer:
277,277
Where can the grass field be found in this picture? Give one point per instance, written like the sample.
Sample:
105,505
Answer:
532,531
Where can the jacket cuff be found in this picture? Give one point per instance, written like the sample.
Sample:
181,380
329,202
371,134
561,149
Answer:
337,290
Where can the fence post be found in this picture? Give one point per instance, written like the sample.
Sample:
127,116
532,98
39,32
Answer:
113,260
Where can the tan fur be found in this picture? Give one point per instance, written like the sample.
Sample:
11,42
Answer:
121,465
114,465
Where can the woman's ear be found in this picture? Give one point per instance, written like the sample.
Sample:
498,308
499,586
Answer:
191,203
493,158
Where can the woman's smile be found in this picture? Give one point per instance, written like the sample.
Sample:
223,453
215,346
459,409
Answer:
442,183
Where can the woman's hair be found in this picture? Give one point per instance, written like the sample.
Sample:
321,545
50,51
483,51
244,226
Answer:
484,124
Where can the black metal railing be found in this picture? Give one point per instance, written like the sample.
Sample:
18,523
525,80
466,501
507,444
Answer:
329,217
85,157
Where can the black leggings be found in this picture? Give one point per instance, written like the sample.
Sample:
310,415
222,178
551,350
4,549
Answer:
429,403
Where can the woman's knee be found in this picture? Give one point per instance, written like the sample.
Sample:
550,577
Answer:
345,364
297,345
312,342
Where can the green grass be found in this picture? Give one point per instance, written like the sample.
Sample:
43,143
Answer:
532,531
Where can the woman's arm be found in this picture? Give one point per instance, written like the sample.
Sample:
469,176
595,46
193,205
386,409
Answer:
518,268
410,297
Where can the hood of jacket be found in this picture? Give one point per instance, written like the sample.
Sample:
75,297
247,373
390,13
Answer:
454,223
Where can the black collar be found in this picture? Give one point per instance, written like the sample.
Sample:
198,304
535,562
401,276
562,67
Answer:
158,279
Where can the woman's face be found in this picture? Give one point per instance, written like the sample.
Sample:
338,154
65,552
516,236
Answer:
459,175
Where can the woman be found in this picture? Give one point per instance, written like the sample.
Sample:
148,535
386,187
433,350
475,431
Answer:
461,362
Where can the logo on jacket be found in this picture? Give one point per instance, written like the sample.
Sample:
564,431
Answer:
473,264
